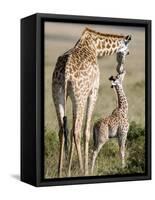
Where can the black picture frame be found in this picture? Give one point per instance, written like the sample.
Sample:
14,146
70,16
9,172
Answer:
32,99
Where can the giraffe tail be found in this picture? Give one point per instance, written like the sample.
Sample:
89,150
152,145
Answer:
65,129
65,132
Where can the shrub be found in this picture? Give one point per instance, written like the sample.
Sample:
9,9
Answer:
136,149
136,157
135,131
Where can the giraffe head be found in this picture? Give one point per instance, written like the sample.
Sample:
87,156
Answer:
123,46
121,54
117,80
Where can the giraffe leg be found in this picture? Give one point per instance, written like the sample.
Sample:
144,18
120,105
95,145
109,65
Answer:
72,143
95,153
58,99
71,154
90,107
77,126
100,136
121,141
60,165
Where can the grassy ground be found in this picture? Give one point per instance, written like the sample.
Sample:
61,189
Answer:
58,39
108,161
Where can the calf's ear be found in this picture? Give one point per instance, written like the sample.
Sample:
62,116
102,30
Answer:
127,39
111,78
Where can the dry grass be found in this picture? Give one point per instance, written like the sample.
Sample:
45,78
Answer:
58,39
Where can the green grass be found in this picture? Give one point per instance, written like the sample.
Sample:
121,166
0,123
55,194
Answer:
108,161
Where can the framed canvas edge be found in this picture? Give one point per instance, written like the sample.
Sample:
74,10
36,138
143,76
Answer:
94,180
40,181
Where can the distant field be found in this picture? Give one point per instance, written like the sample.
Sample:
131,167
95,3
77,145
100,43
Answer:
58,39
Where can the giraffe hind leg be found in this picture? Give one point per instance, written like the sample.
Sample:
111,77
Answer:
89,111
99,140
95,154
59,102
77,126
71,154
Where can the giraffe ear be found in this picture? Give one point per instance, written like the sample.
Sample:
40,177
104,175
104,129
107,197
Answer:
127,39
111,78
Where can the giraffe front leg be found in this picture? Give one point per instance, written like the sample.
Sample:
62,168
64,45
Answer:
90,107
122,140
122,155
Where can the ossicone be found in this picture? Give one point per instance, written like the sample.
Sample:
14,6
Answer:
111,78
128,38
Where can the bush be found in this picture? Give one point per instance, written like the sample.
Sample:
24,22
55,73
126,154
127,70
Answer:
136,149
135,131
136,157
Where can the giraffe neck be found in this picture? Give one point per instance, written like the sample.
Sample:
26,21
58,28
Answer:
107,46
103,44
122,102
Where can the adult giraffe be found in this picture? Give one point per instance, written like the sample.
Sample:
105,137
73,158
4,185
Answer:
76,75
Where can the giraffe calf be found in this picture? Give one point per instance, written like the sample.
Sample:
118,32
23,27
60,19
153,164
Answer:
115,125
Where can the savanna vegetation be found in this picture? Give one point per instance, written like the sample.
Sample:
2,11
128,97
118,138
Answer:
58,39
108,161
